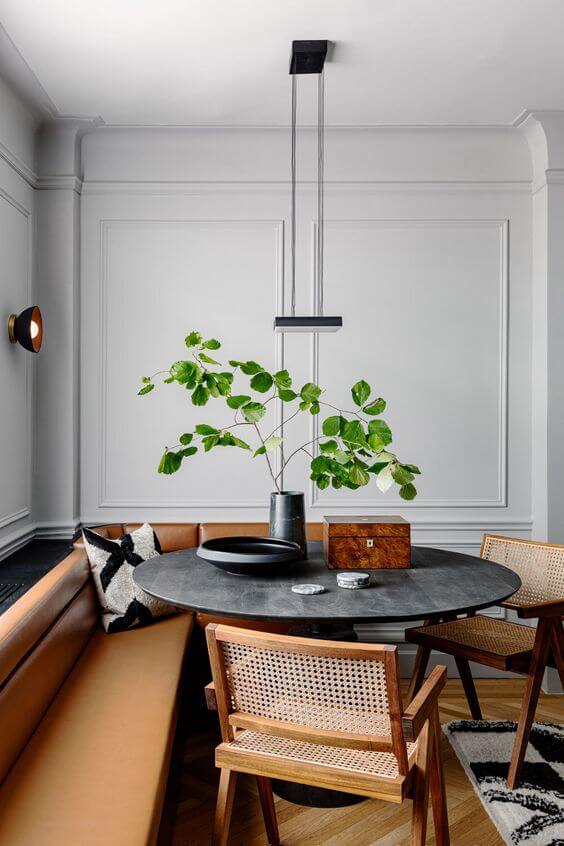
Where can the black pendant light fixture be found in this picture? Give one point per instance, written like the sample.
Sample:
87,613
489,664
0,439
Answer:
308,57
26,329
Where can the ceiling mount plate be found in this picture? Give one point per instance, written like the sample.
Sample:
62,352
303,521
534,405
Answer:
308,56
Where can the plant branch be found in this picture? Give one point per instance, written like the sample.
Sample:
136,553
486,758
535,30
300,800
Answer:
274,478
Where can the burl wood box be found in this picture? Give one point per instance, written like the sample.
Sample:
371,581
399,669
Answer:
366,543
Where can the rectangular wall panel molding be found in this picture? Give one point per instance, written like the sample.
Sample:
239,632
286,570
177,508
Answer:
457,349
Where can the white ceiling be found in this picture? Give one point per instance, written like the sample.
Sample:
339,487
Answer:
225,62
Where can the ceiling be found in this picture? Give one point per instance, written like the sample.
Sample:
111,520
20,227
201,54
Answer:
225,62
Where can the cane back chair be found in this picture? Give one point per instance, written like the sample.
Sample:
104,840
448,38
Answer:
326,714
503,644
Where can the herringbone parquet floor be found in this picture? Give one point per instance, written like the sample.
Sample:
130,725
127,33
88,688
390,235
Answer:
189,806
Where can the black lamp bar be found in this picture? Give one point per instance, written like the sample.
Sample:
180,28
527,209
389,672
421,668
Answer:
311,323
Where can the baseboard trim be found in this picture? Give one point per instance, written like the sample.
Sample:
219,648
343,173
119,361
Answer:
36,531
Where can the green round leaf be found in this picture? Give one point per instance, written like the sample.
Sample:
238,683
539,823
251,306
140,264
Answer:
401,476
360,392
377,406
411,468
200,396
378,427
170,462
286,395
186,438
353,433
358,476
375,442
320,464
315,407
323,482
253,411
237,401
146,389
262,382
329,446
331,426
273,442
250,368
283,379
186,453
185,372
408,491
208,359
310,392
193,339
212,344
204,429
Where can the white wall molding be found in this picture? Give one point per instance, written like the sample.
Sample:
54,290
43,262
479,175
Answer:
502,226
105,500
26,424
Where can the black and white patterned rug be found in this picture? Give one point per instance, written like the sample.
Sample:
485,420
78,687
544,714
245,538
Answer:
533,813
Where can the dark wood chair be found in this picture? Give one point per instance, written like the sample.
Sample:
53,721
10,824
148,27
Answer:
326,714
503,644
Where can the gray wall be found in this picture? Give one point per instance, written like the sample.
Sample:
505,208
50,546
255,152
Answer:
17,291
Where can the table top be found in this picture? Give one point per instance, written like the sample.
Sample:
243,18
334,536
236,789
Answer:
438,582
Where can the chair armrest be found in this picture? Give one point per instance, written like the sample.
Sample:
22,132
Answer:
550,608
419,710
211,700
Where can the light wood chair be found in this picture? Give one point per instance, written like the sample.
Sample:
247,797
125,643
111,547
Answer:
503,644
327,714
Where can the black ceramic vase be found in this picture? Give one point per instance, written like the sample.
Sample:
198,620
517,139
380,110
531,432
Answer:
287,518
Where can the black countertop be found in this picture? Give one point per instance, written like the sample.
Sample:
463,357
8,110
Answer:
31,563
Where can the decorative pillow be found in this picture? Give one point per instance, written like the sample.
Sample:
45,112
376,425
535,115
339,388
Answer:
124,605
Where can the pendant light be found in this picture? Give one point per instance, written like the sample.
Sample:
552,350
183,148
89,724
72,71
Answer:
308,57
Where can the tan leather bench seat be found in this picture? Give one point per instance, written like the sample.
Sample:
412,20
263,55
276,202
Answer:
94,771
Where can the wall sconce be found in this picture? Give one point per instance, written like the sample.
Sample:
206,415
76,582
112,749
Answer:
26,329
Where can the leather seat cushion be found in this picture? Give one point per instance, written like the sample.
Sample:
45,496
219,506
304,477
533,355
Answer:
95,770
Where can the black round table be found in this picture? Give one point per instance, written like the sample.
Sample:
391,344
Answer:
439,584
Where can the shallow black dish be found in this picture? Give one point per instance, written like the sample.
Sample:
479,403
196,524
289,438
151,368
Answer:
246,556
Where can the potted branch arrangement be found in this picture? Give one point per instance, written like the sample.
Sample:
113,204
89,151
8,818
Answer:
352,449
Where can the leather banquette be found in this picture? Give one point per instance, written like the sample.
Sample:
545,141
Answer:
87,719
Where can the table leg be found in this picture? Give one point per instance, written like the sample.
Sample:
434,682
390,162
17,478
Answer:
303,794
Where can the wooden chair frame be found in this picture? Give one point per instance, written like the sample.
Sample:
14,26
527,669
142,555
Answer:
547,650
417,777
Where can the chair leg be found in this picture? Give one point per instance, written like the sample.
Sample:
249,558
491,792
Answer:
437,786
421,787
530,699
419,668
558,648
224,807
469,686
268,810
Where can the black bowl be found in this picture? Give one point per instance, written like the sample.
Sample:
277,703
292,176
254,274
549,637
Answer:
248,556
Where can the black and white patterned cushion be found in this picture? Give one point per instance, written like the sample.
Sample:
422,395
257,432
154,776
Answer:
123,604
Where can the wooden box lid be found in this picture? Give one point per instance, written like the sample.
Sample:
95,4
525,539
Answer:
361,526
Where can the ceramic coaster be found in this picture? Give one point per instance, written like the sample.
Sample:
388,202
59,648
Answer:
308,589
353,581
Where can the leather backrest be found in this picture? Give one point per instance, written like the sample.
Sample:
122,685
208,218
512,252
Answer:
172,536
314,531
29,688
27,620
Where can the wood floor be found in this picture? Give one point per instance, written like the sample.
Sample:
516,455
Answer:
189,806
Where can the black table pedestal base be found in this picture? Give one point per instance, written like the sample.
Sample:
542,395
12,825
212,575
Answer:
303,794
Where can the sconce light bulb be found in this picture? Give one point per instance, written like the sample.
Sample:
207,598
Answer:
33,329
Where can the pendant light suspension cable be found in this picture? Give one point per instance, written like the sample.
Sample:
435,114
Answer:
320,188
293,222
